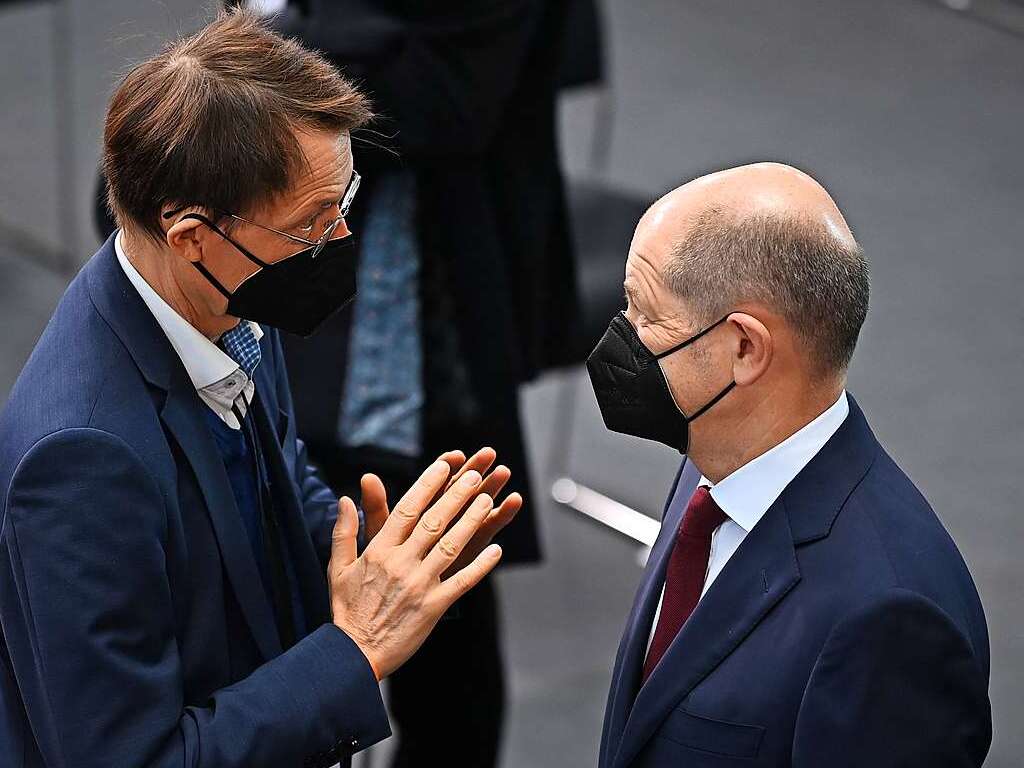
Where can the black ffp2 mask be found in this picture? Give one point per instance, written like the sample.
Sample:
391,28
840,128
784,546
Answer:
296,294
631,388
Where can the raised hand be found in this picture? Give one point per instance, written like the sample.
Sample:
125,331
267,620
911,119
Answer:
390,597
374,499
375,505
500,516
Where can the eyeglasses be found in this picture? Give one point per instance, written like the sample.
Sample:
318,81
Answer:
318,245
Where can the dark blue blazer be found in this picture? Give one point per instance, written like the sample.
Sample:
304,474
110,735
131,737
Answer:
845,631
136,631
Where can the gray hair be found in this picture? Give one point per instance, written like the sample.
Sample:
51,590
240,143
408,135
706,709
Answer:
792,264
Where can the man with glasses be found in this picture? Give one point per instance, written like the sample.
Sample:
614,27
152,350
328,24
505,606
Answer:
163,542
309,228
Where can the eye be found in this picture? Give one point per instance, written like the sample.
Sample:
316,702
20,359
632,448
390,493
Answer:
309,226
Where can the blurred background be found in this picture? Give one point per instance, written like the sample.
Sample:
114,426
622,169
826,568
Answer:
911,112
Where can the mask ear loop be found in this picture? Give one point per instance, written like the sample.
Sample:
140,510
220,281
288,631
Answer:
714,401
682,345
689,341
199,265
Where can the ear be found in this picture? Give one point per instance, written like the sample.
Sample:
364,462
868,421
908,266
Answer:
754,348
186,238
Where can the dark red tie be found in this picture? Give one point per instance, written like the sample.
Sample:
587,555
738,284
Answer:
687,567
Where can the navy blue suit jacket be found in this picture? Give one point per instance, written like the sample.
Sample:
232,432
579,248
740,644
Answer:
136,631
845,631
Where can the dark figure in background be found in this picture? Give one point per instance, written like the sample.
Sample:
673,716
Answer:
466,290
467,221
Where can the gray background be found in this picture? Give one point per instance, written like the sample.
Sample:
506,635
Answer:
910,113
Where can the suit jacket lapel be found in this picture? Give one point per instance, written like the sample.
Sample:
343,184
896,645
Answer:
758,575
124,310
185,421
633,647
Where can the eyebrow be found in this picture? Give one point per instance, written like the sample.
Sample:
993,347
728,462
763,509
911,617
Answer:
306,213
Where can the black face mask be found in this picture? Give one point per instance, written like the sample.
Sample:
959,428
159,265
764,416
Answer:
296,294
632,391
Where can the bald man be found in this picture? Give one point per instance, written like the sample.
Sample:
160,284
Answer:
803,605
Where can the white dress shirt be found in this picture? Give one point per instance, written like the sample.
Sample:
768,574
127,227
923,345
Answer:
747,493
218,379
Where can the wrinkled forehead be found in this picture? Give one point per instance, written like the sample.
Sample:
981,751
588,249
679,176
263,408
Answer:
657,235
343,145
328,157
323,174
644,283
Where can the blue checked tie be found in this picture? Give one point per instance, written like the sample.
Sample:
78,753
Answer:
241,345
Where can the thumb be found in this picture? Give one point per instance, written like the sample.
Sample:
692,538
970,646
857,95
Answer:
375,504
343,539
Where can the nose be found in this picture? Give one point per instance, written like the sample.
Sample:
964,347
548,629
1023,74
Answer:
342,230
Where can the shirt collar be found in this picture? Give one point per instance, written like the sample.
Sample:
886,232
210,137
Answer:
748,492
205,362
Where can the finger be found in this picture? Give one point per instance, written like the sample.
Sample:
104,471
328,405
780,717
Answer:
407,511
496,520
501,515
495,481
457,461
451,589
508,509
480,462
435,520
454,459
375,504
492,526
343,537
499,518
450,546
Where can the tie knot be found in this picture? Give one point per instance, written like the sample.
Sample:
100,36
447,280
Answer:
242,346
702,516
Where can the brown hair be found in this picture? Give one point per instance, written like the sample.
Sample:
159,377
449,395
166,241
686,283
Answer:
211,120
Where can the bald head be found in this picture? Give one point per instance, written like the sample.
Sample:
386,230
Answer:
761,190
765,233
